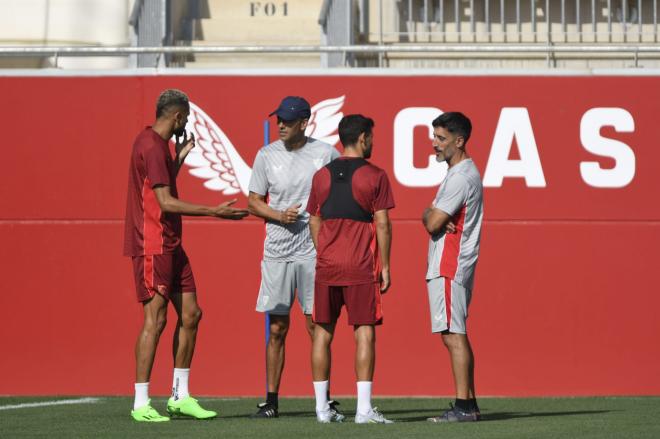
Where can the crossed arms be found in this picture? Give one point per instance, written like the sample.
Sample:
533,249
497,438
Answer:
435,220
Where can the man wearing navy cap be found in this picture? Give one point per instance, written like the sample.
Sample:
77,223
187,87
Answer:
282,173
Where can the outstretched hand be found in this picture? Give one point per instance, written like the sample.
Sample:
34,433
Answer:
183,146
225,211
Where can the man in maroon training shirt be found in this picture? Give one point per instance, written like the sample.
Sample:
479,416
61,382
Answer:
161,268
351,230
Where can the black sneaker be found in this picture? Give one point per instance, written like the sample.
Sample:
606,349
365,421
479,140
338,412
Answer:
454,414
266,410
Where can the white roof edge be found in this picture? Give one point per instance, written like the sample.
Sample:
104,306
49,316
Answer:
327,72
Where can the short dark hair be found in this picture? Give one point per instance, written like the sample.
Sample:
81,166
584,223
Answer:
351,126
169,99
455,123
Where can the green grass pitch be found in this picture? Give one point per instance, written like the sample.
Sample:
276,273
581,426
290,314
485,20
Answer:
602,418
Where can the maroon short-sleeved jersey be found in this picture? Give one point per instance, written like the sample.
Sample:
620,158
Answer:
149,231
347,253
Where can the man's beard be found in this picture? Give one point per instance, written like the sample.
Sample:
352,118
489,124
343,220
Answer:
179,132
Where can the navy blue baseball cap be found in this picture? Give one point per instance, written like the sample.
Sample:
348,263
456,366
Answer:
293,108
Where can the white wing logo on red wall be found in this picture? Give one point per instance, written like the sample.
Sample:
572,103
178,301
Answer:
215,159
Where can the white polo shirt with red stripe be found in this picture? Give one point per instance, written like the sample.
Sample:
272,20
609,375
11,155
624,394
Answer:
455,255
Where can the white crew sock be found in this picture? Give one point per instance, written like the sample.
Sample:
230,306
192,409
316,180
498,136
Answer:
141,395
180,384
364,397
321,391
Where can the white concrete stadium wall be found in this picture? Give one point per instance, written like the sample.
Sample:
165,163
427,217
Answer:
65,23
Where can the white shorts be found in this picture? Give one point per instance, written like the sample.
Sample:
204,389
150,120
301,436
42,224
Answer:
279,283
448,303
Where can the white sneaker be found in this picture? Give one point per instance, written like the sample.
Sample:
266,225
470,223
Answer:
328,416
373,417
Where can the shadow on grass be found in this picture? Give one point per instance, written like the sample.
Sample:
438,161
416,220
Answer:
311,414
503,416
428,412
349,414
514,415
301,414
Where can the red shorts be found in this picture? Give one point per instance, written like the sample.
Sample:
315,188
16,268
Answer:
363,303
163,274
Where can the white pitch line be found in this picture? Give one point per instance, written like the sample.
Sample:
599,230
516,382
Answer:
49,403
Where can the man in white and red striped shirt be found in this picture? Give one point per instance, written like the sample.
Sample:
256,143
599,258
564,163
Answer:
453,222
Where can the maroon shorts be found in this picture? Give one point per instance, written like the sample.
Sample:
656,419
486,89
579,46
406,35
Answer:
363,303
163,274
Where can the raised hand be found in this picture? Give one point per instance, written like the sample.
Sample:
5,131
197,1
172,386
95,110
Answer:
290,215
183,146
225,211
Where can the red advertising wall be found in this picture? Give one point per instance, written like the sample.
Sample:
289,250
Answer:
565,301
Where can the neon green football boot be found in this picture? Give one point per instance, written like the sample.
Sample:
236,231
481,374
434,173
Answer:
146,413
188,406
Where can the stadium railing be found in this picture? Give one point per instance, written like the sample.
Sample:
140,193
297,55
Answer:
547,51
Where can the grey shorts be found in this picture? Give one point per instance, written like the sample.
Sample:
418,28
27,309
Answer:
279,283
448,303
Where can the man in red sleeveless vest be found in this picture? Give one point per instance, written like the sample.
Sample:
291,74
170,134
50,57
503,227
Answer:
351,230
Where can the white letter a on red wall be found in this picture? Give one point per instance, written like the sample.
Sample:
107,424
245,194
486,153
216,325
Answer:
514,123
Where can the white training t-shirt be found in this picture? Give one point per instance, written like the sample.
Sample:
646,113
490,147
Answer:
286,178
455,255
